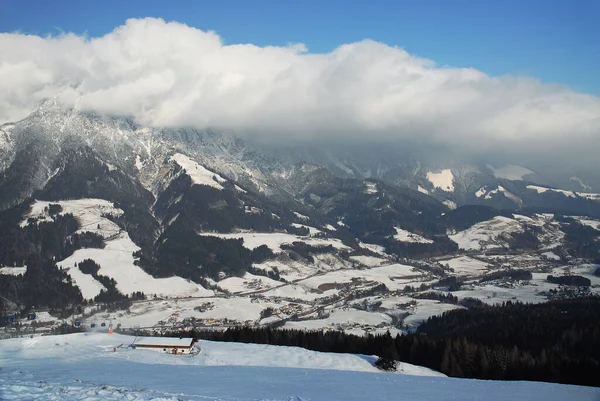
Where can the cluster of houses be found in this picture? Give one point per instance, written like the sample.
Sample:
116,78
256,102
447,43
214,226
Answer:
367,328
253,284
192,322
566,292
289,309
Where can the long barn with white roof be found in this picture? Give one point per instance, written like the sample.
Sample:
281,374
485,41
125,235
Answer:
169,345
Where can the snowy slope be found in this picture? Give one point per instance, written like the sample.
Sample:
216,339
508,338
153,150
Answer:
487,234
116,261
394,276
90,214
443,180
13,271
594,197
248,283
311,230
370,261
199,174
79,366
274,241
116,258
407,236
595,224
467,266
541,190
499,189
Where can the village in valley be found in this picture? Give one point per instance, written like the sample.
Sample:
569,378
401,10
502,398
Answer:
357,291
363,294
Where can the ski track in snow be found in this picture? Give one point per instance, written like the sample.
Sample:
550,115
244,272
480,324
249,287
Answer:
84,367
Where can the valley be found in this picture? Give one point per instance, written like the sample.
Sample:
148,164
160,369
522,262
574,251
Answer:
107,226
355,291
294,201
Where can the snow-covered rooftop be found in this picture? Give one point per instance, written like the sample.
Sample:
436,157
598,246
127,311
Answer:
164,341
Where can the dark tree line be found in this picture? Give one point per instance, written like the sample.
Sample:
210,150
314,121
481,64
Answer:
452,282
580,240
442,245
558,341
306,251
527,239
37,245
110,293
468,215
513,274
578,281
42,285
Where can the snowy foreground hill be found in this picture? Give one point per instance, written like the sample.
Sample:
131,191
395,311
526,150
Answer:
84,366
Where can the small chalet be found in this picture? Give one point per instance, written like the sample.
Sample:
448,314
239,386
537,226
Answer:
169,345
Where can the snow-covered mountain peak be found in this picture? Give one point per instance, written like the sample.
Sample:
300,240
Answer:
276,171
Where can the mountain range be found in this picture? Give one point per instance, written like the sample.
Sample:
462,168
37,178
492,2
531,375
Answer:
185,196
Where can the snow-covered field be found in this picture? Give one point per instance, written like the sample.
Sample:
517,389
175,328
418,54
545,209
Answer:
541,190
422,190
595,224
487,234
450,204
407,236
198,173
311,230
426,308
13,271
148,313
296,291
274,241
88,212
499,189
443,180
467,266
84,367
341,318
373,248
594,197
370,261
493,294
293,270
327,283
116,261
370,188
394,276
248,283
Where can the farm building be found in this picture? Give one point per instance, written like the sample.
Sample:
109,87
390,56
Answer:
169,345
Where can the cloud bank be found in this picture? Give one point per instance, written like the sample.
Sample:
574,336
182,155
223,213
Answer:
170,74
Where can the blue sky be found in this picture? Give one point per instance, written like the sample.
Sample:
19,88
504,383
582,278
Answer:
555,41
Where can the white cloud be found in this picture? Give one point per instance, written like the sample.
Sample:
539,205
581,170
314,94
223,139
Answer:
172,74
